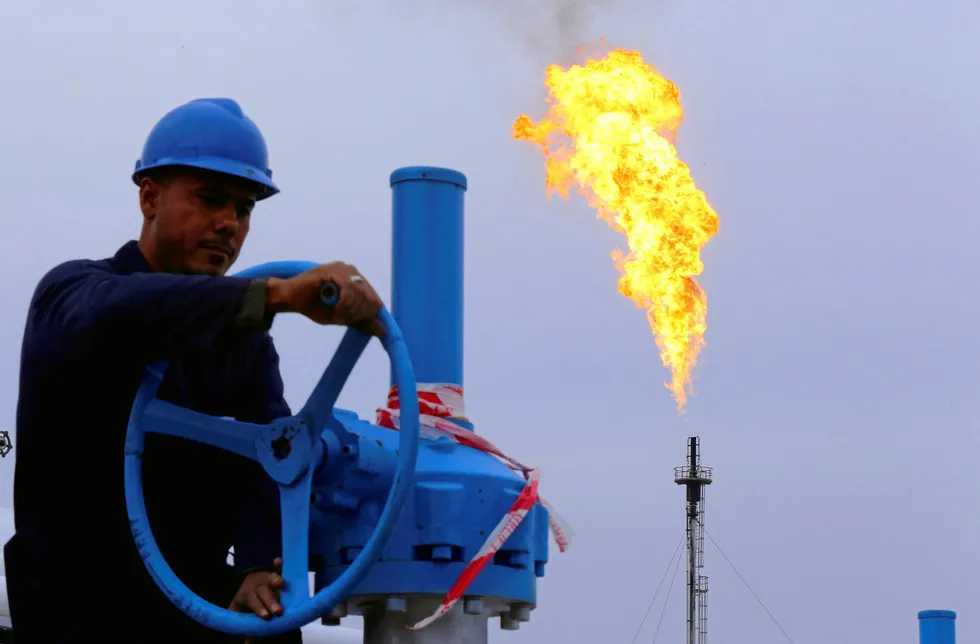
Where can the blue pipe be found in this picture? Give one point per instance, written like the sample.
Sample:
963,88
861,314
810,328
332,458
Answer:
937,627
427,269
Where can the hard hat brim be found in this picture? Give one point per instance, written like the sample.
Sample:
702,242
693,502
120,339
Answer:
219,165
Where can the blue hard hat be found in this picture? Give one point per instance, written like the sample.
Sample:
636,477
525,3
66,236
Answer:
211,134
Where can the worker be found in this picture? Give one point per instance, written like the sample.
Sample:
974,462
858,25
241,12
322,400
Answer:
73,570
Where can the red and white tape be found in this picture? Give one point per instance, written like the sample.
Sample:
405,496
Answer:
439,406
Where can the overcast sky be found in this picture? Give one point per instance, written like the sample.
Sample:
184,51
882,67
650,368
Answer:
837,397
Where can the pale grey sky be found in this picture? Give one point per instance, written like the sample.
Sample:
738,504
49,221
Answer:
837,398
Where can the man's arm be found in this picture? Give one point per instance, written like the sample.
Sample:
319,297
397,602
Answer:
166,314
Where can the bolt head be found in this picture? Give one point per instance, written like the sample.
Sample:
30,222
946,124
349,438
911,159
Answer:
396,604
473,606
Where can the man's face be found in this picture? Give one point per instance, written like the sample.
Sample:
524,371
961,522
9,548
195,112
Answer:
195,222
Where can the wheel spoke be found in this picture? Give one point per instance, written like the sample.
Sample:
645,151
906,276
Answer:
295,508
319,406
165,418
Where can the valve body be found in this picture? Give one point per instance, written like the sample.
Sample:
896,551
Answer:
460,493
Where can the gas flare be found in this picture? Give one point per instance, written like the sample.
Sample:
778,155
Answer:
608,133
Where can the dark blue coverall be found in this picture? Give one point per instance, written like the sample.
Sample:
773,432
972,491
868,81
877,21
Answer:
73,571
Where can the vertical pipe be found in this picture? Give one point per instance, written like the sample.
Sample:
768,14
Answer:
937,627
692,514
427,269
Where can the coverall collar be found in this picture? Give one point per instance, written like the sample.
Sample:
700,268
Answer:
129,259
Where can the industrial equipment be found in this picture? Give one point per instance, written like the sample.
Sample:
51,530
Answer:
937,627
694,478
388,523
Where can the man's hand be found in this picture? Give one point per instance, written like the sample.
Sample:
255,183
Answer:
259,593
358,305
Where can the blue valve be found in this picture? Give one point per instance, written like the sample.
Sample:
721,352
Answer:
309,438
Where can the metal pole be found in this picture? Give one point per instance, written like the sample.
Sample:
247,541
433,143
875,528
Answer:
427,303
427,269
937,627
694,477
691,571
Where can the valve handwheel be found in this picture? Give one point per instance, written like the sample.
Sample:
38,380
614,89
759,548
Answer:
289,449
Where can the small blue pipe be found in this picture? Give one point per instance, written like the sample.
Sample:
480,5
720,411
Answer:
937,627
427,269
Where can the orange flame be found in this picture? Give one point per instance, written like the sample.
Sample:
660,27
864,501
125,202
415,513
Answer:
609,129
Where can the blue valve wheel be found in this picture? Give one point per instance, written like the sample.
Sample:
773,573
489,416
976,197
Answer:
290,450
